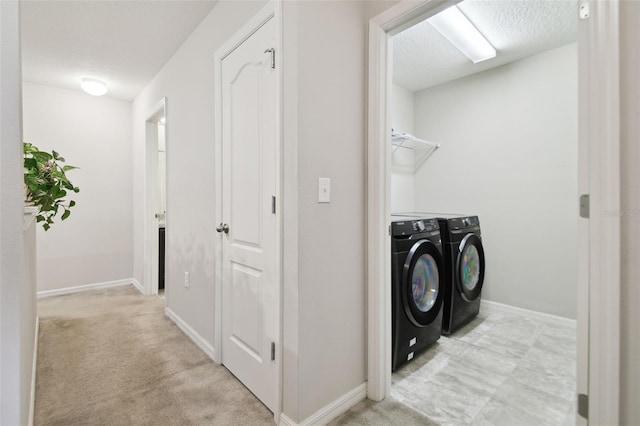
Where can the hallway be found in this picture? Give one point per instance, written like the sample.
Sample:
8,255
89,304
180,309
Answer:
111,357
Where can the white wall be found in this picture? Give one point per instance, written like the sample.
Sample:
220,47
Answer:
95,243
630,223
17,292
331,143
509,155
402,160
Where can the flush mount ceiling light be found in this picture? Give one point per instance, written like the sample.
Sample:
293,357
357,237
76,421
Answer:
93,87
457,28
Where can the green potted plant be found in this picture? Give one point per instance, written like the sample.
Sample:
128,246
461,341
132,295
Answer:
46,184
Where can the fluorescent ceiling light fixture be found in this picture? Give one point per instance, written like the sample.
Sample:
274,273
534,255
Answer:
93,87
457,28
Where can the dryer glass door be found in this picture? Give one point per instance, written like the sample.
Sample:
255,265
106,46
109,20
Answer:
470,267
421,293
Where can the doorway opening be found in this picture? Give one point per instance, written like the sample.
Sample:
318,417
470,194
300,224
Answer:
499,140
161,209
593,85
155,200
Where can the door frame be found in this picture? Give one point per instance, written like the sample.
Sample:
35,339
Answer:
599,289
273,10
151,188
600,286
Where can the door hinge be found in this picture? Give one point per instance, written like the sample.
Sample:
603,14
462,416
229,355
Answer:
273,56
273,204
273,351
389,229
584,206
583,405
583,10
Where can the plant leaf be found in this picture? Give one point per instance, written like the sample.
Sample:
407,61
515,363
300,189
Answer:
55,191
30,163
72,203
42,157
66,214
46,226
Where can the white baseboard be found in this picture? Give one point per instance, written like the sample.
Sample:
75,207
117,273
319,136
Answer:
32,403
137,285
540,316
76,289
332,410
286,421
191,333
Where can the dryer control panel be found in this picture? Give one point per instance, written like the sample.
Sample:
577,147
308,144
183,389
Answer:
416,226
463,222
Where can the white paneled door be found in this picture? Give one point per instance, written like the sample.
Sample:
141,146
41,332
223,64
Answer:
249,228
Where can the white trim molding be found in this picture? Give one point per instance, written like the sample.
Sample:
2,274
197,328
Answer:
601,124
137,285
32,402
30,213
381,28
332,410
286,421
151,238
527,313
86,287
191,333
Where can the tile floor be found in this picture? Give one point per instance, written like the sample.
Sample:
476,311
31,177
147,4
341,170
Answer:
500,369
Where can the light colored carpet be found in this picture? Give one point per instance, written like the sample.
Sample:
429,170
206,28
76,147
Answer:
111,357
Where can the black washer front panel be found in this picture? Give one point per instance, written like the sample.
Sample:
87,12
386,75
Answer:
416,287
421,250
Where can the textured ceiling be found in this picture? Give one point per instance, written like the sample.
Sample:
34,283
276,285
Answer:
516,28
123,43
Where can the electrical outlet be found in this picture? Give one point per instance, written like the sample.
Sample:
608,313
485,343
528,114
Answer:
186,279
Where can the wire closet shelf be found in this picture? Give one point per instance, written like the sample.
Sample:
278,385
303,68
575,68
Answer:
424,148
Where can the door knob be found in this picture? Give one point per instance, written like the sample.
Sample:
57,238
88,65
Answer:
223,227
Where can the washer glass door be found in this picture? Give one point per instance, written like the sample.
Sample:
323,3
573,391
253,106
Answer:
470,267
421,293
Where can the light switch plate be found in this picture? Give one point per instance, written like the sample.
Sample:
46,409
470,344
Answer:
324,190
